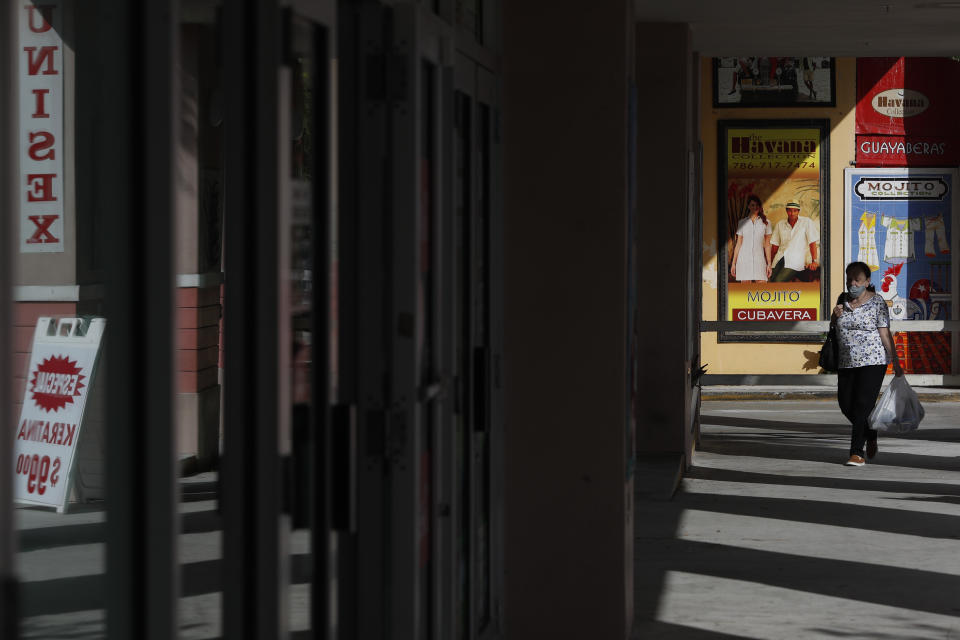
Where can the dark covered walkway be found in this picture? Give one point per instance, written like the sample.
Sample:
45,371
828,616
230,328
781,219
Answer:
769,536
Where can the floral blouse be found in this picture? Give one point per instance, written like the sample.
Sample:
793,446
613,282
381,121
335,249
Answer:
857,333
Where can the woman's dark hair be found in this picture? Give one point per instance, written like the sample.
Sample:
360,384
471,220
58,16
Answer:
755,198
863,268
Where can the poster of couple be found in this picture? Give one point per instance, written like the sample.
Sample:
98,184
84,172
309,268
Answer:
774,221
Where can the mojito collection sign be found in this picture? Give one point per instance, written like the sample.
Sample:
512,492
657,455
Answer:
772,221
41,127
900,222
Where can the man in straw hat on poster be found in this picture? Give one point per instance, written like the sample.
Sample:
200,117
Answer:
794,240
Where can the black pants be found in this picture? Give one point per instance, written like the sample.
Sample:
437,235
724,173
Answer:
780,273
857,391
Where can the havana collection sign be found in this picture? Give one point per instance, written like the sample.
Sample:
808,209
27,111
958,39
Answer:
905,115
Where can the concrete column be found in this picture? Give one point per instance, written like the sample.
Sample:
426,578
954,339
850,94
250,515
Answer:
666,115
568,529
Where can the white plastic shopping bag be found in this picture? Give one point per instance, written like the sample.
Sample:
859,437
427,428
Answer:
898,410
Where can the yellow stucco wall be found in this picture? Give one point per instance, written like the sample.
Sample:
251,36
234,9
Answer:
770,358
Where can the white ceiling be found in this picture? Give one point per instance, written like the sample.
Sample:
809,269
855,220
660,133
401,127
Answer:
813,27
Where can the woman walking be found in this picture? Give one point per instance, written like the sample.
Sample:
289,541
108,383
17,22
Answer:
866,346
751,254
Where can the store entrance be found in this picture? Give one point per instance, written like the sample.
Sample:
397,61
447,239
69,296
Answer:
416,326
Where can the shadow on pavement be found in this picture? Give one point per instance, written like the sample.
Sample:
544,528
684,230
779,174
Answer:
925,591
942,492
776,425
833,427
96,532
662,547
669,631
837,514
83,593
813,449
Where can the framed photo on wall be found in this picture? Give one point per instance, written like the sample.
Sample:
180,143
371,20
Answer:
773,229
752,81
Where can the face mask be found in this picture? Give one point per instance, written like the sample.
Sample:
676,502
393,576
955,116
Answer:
854,290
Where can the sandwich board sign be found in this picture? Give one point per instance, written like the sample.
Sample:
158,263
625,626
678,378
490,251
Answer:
55,450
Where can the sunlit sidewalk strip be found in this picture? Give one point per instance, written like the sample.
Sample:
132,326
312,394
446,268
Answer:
52,562
749,610
799,539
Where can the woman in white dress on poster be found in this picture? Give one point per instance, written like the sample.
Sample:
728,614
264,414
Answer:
751,254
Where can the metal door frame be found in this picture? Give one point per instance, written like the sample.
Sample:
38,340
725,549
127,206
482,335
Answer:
466,84
479,85
382,50
258,493
419,37
9,621
314,505
488,95
363,197
250,471
139,97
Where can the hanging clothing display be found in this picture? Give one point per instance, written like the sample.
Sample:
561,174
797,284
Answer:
868,240
899,245
933,227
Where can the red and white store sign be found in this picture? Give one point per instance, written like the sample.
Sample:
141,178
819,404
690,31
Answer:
47,435
907,96
906,112
41,126
906,151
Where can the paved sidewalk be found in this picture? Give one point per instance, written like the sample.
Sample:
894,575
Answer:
61,565
811,392
770,536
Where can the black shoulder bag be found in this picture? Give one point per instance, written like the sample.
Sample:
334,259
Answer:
830,352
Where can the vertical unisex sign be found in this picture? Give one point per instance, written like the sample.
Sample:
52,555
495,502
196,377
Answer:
900,222
41,127
773,224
